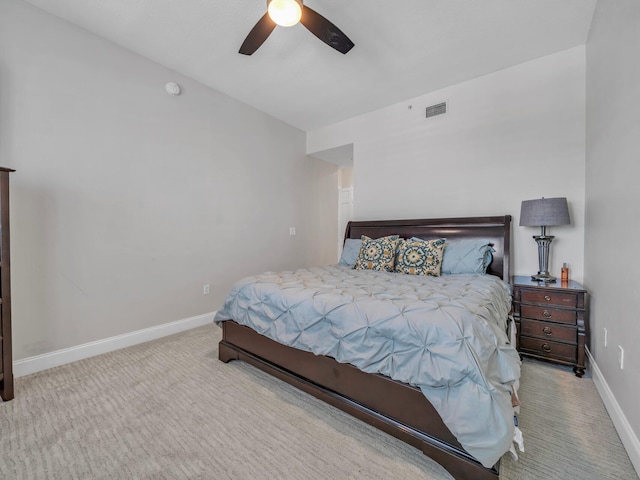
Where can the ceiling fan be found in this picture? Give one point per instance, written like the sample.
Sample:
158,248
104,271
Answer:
288,13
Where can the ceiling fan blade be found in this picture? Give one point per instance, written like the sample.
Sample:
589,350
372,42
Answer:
325,30
258,34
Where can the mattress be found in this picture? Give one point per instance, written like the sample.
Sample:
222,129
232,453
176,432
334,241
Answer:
445,335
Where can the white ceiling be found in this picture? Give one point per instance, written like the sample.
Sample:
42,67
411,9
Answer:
403,48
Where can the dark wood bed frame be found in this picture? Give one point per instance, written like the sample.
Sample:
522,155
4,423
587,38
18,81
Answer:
394,407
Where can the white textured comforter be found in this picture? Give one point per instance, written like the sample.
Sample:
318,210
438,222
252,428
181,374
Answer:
445,335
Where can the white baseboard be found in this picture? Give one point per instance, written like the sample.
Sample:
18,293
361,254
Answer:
620,422
38,363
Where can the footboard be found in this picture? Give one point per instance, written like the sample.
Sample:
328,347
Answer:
393,407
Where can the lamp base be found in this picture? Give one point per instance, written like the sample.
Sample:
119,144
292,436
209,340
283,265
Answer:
543,241
543,277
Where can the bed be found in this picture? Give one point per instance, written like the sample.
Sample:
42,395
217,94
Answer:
399,408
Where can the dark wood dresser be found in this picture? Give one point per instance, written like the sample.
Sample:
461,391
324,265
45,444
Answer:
6,359
552,321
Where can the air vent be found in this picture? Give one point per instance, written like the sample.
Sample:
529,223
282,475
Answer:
438,109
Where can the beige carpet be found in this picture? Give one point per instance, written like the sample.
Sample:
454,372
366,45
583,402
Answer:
168,409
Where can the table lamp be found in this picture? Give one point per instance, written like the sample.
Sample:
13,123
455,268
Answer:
542,213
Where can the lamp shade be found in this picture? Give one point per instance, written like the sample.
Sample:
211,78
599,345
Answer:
543,212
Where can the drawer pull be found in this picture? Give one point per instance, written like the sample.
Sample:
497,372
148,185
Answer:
546,347
546,314
547,298
547,331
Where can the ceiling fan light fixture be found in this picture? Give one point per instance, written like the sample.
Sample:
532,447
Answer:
288,13
285,13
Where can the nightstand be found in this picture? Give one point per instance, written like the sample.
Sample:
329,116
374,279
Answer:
552,321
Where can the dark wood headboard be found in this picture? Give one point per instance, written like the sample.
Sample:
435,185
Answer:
495,229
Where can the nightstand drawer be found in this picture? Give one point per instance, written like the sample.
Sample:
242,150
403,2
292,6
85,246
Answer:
548,314
562,299
550,331
548,349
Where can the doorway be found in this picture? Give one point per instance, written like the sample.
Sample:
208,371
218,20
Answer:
345,203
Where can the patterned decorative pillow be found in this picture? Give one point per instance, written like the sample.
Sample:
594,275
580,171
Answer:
420,257
378,254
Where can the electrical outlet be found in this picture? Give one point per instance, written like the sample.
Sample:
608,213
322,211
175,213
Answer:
205,289
292,231
621,357
605,337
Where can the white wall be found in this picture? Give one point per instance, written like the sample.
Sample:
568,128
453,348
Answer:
513,135
127,200
613,197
